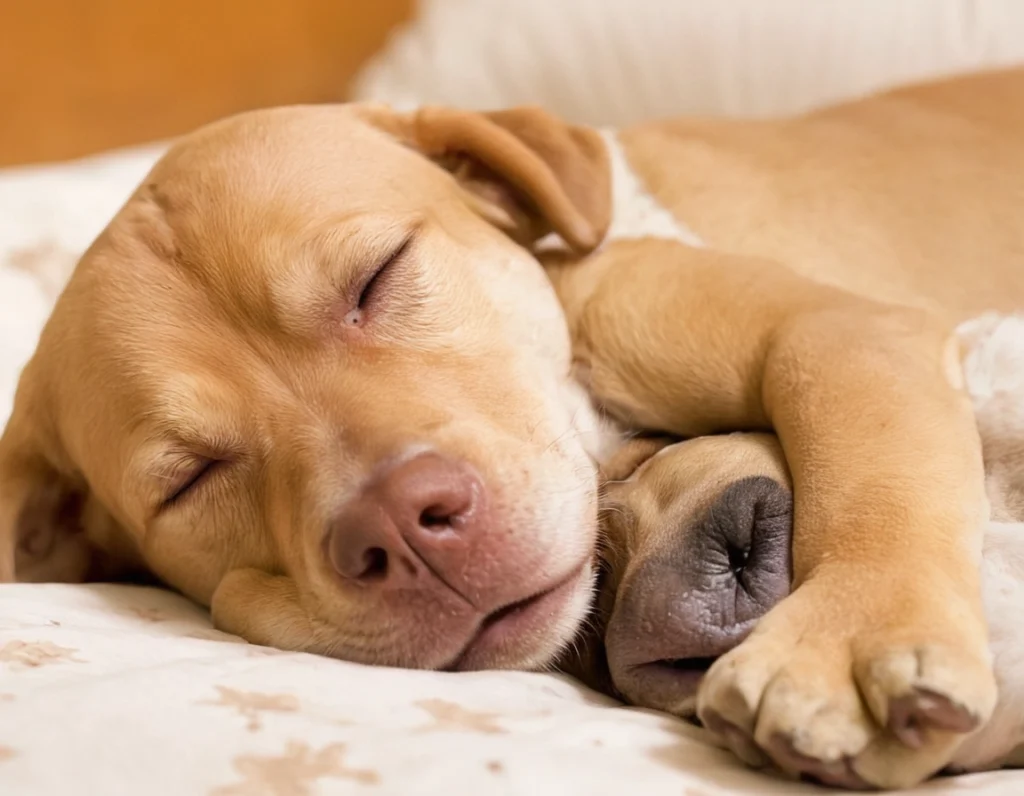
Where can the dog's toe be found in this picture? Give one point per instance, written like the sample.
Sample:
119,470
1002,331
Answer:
910,716
740,743
837,773
853,710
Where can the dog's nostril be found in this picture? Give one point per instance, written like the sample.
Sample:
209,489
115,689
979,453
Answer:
432,520
738,559
436,518
375,561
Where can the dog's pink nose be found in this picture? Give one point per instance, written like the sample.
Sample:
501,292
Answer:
415,518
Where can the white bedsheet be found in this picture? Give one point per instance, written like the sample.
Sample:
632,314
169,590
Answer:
112,690
122,690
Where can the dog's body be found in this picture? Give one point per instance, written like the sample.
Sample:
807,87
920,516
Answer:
307,377
869,217
720,509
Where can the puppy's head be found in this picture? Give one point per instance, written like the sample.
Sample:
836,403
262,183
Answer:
698,549
313,345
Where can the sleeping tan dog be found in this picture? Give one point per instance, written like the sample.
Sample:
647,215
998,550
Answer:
698,548
313,376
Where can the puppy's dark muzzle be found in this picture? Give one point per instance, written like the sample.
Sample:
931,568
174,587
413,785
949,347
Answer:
701,594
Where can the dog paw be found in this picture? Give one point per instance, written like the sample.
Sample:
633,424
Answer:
854,705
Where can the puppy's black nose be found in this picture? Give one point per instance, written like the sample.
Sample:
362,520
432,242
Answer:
701,596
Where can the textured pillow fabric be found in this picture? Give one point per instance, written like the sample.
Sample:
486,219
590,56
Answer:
618,61
48,216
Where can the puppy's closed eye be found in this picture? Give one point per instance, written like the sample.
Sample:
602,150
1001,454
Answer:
372,287
190,480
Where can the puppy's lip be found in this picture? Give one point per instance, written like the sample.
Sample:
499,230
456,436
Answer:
669,684
515,619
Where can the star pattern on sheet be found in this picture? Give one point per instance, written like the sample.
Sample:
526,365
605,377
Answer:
146,613
293,773
452,717
32,654
250,704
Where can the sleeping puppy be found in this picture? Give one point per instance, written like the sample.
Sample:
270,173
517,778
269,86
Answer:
313,376
698,549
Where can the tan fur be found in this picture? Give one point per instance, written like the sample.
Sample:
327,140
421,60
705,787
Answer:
842,247
215,319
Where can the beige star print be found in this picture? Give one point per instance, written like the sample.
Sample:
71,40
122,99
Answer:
251,703
30,654
451,717
293,773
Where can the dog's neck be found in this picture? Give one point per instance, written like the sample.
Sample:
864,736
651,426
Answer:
636,213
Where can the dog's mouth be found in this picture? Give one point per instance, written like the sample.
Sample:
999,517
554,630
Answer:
511,625
669,684
692,668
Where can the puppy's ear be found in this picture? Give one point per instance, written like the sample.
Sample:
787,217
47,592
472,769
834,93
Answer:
49,520
524,169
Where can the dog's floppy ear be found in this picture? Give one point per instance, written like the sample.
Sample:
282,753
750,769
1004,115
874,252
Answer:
45,509
527,171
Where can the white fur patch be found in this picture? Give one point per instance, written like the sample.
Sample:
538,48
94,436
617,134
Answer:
600,436
993,369
635,212
994,364
1002,576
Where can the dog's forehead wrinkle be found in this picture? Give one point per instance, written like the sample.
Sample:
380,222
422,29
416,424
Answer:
173,386
264,156
279,266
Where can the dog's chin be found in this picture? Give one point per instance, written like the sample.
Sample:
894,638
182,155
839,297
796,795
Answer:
531,633
527,634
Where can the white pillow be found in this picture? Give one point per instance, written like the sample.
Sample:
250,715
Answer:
48,216
617,61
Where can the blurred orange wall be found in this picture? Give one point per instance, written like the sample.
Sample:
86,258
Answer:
78,76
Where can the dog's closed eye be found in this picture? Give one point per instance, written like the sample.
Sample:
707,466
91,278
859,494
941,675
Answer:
370,289
190,479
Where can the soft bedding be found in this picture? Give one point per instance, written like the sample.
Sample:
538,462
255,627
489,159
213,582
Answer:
114,690
48,216
126,690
